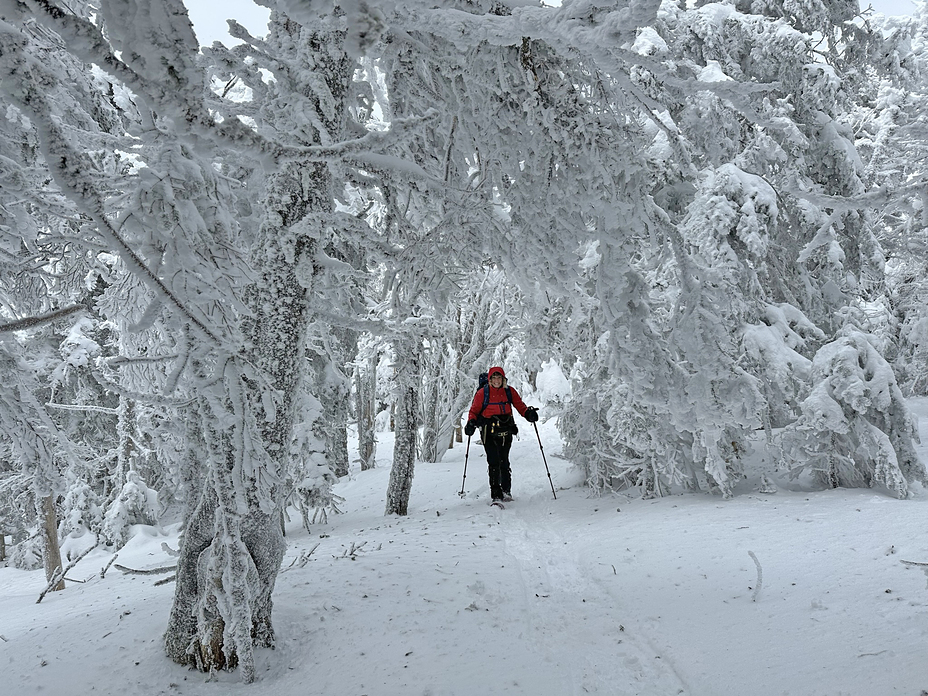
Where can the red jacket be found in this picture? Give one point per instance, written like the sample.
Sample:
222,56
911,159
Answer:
499,403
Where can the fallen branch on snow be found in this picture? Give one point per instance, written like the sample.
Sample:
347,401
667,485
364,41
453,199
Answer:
760,577
103,572
149,571
352,553
59,574
302,560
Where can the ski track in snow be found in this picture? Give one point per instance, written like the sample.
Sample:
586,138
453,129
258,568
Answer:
563,604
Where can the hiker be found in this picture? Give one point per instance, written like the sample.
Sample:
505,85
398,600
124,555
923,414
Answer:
491,411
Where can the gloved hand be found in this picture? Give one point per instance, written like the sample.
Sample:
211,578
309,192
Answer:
470,428
531,414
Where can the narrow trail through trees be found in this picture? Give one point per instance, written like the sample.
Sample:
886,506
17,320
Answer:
574,620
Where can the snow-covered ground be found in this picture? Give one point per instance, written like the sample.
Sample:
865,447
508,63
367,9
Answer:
578,595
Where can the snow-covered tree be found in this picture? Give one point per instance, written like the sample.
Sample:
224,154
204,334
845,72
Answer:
303,106
233,337
855,429
478,319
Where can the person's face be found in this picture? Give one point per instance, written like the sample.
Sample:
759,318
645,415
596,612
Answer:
496,379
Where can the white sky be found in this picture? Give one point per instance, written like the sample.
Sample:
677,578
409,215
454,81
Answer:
890,7
210,22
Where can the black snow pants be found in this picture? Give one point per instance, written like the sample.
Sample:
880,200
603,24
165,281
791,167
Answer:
497,445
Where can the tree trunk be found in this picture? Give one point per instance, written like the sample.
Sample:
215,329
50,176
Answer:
180,639
332,389
407,412
233,545
366,383
52,552
337,442
193,464
127,447
431,413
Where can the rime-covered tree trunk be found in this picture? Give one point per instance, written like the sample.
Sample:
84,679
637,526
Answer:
366,397
332,389
240,549
126,451
235,540
407,425
234,544
337,442
431,413
193,462
127,445
51,554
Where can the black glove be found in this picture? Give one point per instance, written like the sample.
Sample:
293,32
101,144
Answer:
531,414
470,428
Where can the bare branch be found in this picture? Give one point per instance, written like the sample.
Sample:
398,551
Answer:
302,559
138,396
121,360
59,574
42,319
107,567
149,571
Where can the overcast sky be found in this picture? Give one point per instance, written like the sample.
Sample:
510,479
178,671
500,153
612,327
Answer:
210,22
891,7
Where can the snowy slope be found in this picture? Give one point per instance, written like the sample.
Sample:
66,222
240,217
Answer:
570,596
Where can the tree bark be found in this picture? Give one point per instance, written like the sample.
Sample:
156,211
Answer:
52,551
366,387
332,389
431,413
407,425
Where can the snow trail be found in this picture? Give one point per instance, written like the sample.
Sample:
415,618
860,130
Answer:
574,620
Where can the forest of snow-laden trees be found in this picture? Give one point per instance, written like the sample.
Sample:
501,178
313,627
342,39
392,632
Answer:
215,262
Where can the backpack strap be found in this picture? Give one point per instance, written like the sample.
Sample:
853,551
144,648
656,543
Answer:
486,398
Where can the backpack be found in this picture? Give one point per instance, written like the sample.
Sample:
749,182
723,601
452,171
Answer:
483,382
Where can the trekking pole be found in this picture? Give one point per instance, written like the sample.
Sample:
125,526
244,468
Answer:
543,459
466,455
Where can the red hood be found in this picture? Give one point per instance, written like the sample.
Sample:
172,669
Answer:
496,369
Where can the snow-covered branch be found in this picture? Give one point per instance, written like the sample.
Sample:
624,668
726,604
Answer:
70,168
84,408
